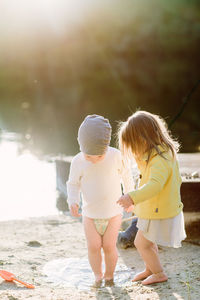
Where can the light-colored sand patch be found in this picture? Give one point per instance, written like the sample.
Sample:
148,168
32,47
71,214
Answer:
26,246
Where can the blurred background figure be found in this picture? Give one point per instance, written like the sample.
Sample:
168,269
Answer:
126,238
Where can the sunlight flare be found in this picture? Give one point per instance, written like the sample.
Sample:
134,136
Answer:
27,184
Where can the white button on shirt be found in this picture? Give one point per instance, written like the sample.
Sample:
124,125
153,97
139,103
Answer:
99,184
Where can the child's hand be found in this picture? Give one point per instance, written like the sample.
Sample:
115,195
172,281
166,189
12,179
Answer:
130,208
74,210
125,201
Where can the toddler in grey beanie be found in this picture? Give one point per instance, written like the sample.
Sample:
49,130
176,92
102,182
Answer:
94,135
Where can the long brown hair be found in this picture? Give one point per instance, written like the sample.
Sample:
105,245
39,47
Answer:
143,132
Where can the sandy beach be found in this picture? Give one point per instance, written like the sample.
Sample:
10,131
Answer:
28,245
111,61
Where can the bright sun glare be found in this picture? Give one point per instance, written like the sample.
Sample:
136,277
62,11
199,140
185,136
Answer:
26,15
28,186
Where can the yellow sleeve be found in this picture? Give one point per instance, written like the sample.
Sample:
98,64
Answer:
159,172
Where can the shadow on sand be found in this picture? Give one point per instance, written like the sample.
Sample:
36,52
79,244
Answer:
113,292
6,285
179,284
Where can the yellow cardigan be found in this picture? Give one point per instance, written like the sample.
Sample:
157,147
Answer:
158,195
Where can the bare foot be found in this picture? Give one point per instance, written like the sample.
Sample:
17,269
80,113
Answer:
97,283
142,275
109,282
155,278
98,280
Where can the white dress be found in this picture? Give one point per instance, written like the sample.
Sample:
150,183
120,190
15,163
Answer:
165,232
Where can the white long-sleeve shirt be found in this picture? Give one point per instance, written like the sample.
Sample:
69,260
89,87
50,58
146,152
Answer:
99,184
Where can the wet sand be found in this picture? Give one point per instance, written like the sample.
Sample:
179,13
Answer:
28,245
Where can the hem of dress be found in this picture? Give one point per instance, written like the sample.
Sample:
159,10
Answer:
179,245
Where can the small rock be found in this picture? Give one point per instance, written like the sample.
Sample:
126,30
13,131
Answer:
10,297
34,244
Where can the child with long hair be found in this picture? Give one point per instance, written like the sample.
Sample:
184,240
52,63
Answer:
97,173
157,201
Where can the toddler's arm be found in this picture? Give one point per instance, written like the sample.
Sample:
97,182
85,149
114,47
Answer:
73,187
128,184
127,178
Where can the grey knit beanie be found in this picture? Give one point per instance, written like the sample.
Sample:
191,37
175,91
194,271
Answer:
94,135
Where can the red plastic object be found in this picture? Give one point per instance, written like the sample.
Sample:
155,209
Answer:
11,277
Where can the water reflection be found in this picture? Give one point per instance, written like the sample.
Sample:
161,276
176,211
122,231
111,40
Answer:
28,185
76,272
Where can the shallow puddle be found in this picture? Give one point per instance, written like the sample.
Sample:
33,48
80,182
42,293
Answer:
76,272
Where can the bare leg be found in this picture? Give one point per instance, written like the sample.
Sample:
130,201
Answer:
149,253
109,246
94,244
147,272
